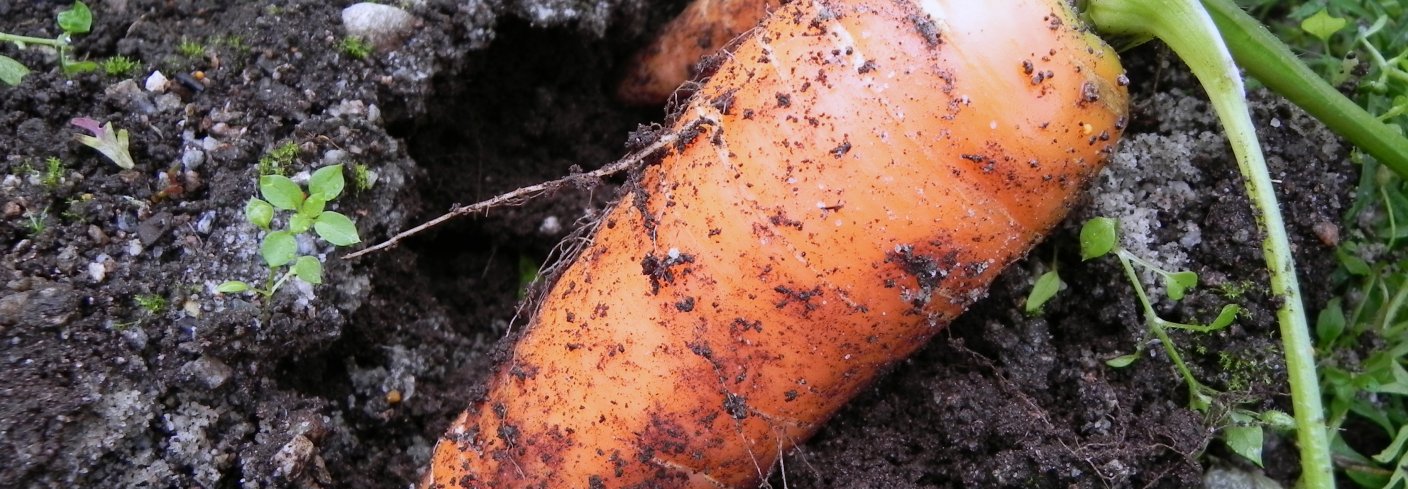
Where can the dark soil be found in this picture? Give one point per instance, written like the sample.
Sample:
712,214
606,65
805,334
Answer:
348,384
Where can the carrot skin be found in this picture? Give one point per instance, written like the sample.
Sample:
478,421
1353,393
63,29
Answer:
704,27
852,178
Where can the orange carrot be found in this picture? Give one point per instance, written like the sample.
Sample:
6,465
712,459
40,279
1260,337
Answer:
702,29
851,178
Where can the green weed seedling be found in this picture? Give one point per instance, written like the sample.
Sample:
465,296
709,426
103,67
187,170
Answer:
119,66
111,143
190,49
72,21
355,47
53,172
1241,429
153,304
37,222
1045,287
280,247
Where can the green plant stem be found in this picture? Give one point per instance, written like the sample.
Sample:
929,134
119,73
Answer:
1187,29
58,43
1197,397
1273,64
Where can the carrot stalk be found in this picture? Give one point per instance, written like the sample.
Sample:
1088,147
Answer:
1273,64
1189,30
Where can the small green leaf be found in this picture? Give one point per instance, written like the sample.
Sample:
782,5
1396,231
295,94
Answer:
259,213
1329,325
327,182
1323,25
336,229
1353,264
299,223
232,287
1043,290
308,269
1179,283
76,20
1123,361
1229,313
1277,420
1244,441
1097,238
312,206
279,248
76,67
280,191
11,71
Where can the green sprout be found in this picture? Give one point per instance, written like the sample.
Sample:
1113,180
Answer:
53,172
1045,288
37,222
119,66
153,304
280,247
112,144
190,49
72,21
355,47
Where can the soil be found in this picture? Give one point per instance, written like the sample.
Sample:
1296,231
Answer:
124,368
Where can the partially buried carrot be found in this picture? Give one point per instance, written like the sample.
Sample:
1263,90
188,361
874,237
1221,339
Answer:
703,28
851,178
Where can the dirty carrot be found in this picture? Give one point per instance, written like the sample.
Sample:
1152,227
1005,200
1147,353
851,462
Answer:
681,50
852,177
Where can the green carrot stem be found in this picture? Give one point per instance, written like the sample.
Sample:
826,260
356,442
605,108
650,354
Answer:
1273,64
1187,29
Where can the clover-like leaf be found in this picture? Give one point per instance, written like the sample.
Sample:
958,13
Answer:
11,71
1329,325
1323,25
259,213
308,269
1045,288
232,287
279,248
1244,441
77,19
280,191
327,182
336,229
1097,238
1178,283
1225,317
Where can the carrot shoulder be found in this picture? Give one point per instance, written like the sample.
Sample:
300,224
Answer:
703,28
851,179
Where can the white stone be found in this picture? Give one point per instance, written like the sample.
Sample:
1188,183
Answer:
383,26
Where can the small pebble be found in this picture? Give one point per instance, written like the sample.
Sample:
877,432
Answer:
97,272
156,82
383,26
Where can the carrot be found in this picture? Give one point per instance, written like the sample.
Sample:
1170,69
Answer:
675,55
850,179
